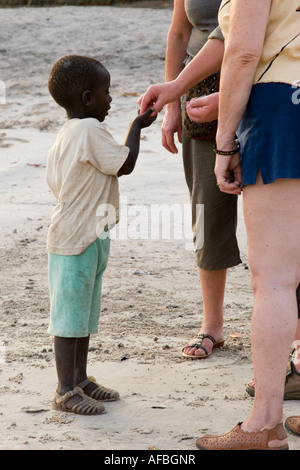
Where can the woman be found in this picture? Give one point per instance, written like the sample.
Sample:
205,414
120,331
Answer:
192,21
261,64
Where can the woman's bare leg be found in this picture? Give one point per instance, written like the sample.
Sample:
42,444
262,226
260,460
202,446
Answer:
272,217
213,287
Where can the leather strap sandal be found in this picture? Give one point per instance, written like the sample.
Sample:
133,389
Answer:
292,384
98,392
237,439
198,345
292,424
86,406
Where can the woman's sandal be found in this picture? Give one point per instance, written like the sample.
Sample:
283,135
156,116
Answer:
198,345
86,406
292,424
99,393
237,439
292,384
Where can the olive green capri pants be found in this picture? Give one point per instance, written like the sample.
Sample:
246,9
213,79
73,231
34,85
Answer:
219,249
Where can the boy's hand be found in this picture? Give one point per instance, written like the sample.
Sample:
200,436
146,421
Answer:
133,140
145,119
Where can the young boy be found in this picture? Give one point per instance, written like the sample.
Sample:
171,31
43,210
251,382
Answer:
82,172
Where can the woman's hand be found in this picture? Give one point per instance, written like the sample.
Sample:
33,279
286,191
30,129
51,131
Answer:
228,172
203,109
157,96
171,125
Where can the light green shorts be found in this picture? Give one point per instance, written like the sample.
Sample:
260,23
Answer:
75,290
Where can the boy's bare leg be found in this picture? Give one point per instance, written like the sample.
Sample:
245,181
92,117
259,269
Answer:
82,350
81,365
65,354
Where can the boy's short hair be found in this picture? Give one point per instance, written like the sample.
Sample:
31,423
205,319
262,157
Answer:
71,75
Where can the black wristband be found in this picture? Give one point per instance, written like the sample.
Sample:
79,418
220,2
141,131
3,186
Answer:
229,153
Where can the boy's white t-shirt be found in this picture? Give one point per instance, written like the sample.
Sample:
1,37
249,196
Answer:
82,170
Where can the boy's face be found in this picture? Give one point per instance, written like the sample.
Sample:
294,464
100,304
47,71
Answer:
100,97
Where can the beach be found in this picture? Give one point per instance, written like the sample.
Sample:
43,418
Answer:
151,303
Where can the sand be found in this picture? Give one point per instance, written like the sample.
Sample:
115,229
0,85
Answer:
151,296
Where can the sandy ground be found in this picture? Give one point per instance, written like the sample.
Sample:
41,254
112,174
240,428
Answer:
151,297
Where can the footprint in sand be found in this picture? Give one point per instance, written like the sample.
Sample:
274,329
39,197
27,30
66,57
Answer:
8,144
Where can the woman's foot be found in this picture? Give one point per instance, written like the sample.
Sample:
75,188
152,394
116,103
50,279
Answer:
201,347
238,439
293,424
292,384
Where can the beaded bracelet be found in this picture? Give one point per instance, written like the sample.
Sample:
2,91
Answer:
232,152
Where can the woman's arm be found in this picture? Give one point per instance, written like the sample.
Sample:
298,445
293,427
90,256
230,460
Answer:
206,62
177,40
248,23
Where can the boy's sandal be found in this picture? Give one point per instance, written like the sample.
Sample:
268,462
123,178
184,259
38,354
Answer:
99,393
86,406
198,345
292,424
237,439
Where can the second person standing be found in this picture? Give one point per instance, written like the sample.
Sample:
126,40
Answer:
192,22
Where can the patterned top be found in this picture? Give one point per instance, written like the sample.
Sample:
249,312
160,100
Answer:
281,53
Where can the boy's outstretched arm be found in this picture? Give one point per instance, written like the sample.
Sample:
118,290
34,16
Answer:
133,141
